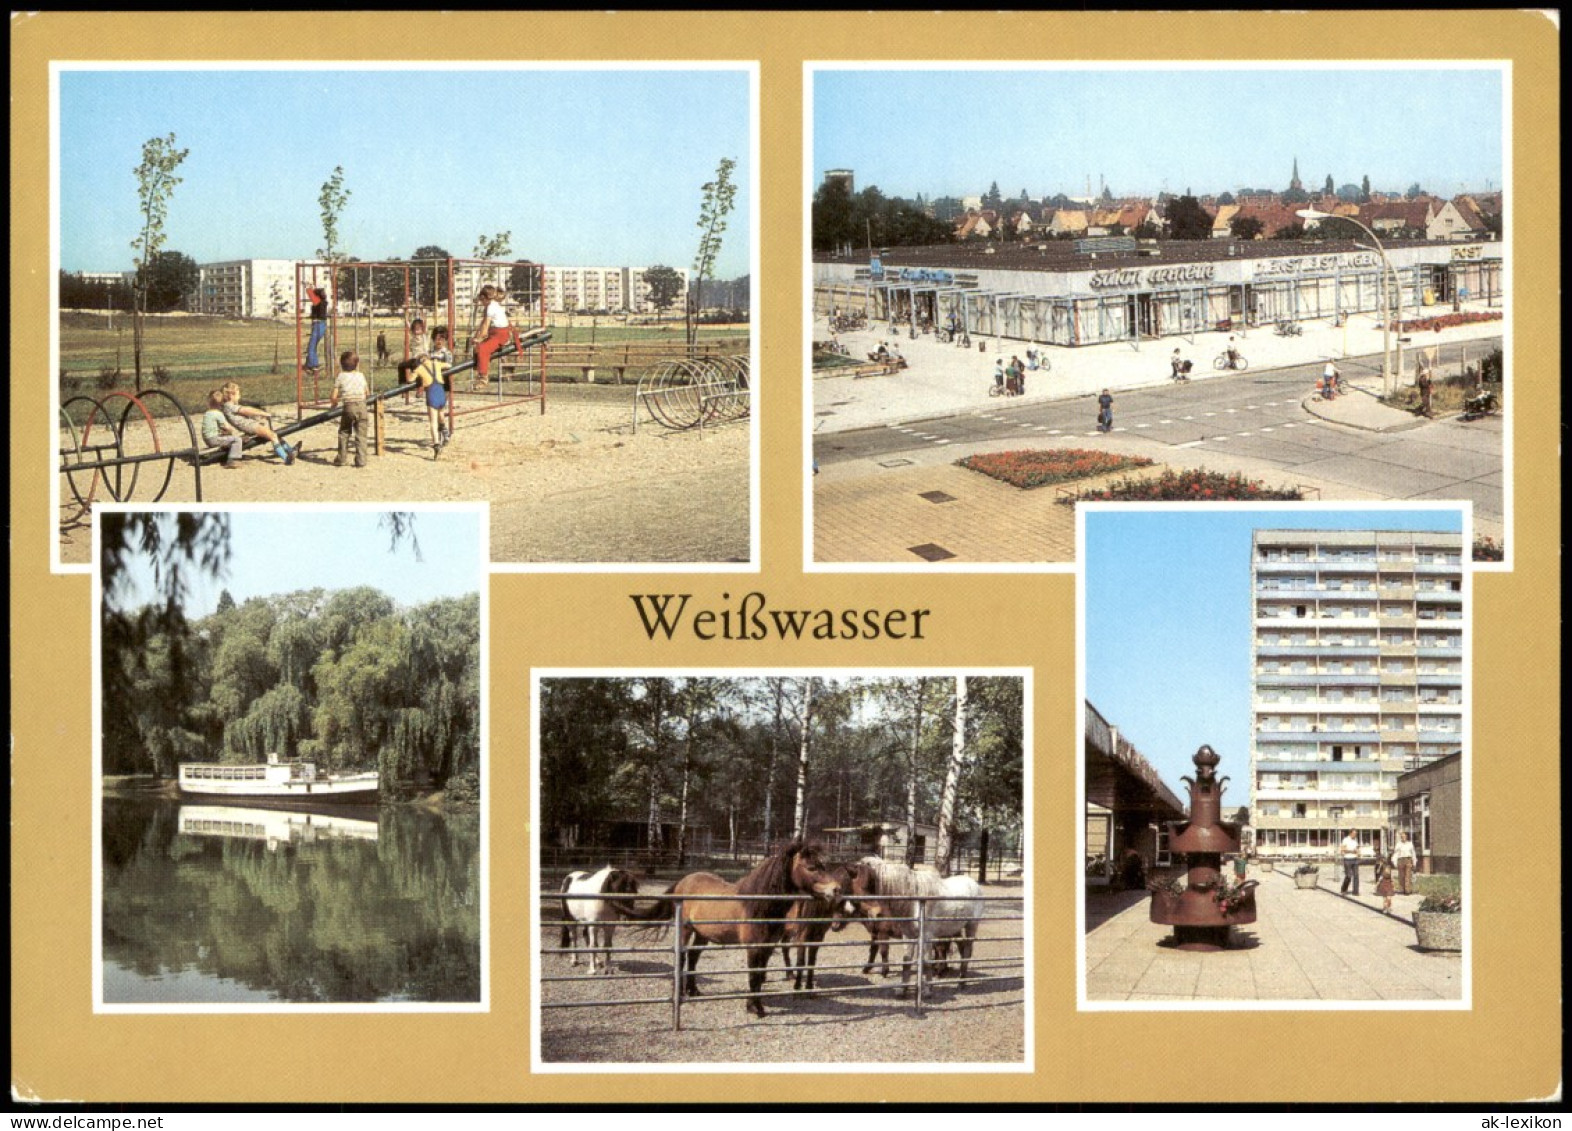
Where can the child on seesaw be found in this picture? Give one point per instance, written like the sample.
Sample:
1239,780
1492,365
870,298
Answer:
433,380
250,421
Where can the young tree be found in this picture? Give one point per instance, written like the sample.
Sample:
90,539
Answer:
664,284
332,198
277,305
719,199
156,181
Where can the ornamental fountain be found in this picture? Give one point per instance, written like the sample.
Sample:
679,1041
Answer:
1205,909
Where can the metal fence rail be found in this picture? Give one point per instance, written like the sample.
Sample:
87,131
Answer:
924,936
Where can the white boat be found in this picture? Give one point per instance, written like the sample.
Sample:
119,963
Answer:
276,782
274,827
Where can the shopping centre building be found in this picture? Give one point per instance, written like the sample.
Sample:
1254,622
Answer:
1358,680
1089,291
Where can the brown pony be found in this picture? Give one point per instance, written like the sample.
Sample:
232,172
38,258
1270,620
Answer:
808,921
756,923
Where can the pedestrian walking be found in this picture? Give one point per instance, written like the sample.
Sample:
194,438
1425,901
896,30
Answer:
1383,871
1176,365
1405,857
1105,411
1426,383
998,375
1349,848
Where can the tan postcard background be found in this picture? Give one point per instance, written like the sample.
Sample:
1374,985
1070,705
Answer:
1508,1047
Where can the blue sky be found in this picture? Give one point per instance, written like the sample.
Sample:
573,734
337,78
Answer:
1167,594
944,132
584,167
275,552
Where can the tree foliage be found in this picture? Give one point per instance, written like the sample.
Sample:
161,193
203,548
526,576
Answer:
1245,227
842,219
666,760
665,286
345,677
1187,220
499,246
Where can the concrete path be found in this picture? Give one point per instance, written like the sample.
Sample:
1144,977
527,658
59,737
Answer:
942,379
1305,946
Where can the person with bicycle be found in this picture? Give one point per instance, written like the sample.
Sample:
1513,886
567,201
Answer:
1232,353
1331,380
1176,365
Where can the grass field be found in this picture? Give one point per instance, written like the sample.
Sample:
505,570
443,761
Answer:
196,352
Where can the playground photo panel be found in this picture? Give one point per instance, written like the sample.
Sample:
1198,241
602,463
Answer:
976,296
289,808
1276,765
874,810
293,216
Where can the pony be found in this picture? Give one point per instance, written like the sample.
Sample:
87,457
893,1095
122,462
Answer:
808,922
756,923
589,924
885,890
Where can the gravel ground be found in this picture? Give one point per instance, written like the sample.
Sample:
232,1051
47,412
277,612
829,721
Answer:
974,1021
574,485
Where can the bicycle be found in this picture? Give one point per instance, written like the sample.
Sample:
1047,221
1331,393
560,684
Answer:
1237,362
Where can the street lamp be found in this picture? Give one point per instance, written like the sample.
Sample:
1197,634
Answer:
1388,384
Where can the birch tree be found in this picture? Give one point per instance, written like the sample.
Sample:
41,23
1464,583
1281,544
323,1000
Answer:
952,776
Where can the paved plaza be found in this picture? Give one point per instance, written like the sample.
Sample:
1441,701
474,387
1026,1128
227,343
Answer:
1305,946
887,488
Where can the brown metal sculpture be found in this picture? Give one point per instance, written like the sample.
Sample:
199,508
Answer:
1204,910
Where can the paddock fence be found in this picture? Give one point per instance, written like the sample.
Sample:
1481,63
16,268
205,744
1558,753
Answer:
924,931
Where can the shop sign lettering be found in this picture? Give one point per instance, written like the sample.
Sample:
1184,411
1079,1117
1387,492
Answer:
1153,276
1313,264
1459,254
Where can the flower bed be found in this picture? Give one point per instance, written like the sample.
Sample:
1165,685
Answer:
1035,467
1187,486
1446,321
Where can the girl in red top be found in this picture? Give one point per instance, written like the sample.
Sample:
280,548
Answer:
493,334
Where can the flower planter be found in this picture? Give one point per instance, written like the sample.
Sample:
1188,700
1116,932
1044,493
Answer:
1267,866
1439,930
1307,879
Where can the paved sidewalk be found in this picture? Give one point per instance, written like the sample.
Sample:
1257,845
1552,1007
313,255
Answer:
1305,946
943,379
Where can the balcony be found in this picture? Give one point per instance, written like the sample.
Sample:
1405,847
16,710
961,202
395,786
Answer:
1439,596
1433,569
1441,679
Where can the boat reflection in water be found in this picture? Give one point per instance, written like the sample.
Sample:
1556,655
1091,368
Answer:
275,827
220,904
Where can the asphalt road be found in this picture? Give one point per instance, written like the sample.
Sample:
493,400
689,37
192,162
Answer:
1255,416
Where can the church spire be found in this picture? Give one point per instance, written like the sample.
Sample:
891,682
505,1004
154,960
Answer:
1294,185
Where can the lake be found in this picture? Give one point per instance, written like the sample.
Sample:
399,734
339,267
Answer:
223,904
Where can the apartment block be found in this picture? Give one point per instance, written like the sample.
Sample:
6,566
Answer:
619,290
244,288
1357,657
